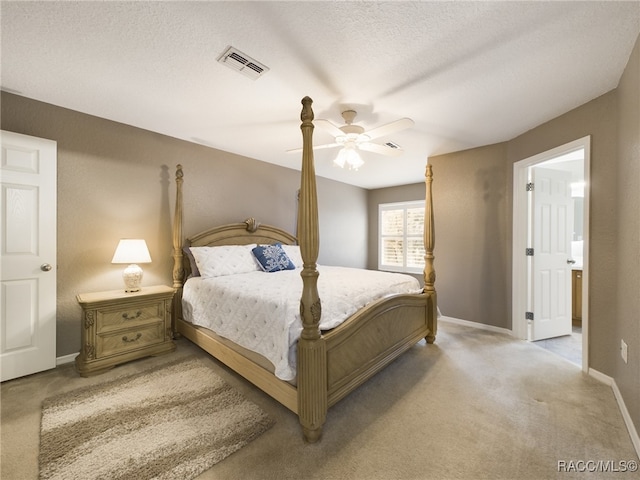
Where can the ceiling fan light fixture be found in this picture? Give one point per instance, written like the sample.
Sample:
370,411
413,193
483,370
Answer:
353,138
349,157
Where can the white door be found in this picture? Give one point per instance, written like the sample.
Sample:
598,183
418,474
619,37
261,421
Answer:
28,255
551,268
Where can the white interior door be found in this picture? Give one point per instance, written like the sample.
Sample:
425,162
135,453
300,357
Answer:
551,270
28,250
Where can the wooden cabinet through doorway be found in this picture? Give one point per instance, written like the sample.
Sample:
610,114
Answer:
576,289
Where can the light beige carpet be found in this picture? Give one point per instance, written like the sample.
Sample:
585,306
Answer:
172,422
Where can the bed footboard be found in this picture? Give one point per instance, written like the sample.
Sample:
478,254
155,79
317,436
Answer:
373,338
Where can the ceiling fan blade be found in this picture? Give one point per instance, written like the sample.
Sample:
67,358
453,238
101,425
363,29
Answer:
380,149
329,127
315,147
390,128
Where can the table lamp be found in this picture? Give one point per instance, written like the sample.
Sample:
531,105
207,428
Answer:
132,251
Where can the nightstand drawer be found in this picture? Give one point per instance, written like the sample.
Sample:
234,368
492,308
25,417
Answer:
115,319
130,339
119,326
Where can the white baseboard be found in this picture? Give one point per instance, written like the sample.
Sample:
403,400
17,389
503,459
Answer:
633,433
481,326
66,359
601,377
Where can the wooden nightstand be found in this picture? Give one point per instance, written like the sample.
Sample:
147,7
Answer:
118,327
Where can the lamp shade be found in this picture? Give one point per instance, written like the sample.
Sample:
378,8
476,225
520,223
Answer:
131,250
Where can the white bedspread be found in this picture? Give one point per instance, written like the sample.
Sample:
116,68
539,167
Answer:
261,311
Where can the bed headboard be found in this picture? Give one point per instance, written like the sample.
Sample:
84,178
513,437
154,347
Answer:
244,233
249,231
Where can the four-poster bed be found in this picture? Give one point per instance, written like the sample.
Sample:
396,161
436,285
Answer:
331,363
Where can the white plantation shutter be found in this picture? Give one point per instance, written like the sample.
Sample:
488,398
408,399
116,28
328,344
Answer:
401,240
392,223
415,237
392,252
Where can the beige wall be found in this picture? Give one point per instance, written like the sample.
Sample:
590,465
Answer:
472,254
470,215
627,321
597,118
614,259
117,181
473,205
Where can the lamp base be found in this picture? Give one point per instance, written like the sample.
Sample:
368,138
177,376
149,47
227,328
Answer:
132,276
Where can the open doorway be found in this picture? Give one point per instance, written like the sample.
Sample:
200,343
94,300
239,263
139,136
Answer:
550,270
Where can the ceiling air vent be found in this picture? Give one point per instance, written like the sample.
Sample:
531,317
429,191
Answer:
236,60
392,145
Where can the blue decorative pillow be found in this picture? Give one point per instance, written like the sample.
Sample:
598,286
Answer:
272,258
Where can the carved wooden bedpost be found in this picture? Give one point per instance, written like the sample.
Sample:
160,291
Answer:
312,381
429,244
178,269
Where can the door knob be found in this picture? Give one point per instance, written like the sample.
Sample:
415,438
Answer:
571,262
45,267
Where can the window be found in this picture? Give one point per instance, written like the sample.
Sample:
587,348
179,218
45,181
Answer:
401,237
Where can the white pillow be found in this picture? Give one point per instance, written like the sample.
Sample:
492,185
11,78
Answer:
224,260
293,252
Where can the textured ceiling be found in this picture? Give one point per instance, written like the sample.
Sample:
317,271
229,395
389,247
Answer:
467,73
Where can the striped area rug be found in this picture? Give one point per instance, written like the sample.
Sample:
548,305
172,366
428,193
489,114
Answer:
170,422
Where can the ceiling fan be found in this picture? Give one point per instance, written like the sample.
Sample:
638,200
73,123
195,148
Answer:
354,137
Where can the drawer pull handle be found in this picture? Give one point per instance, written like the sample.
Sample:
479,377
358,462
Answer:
125,339
127,317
